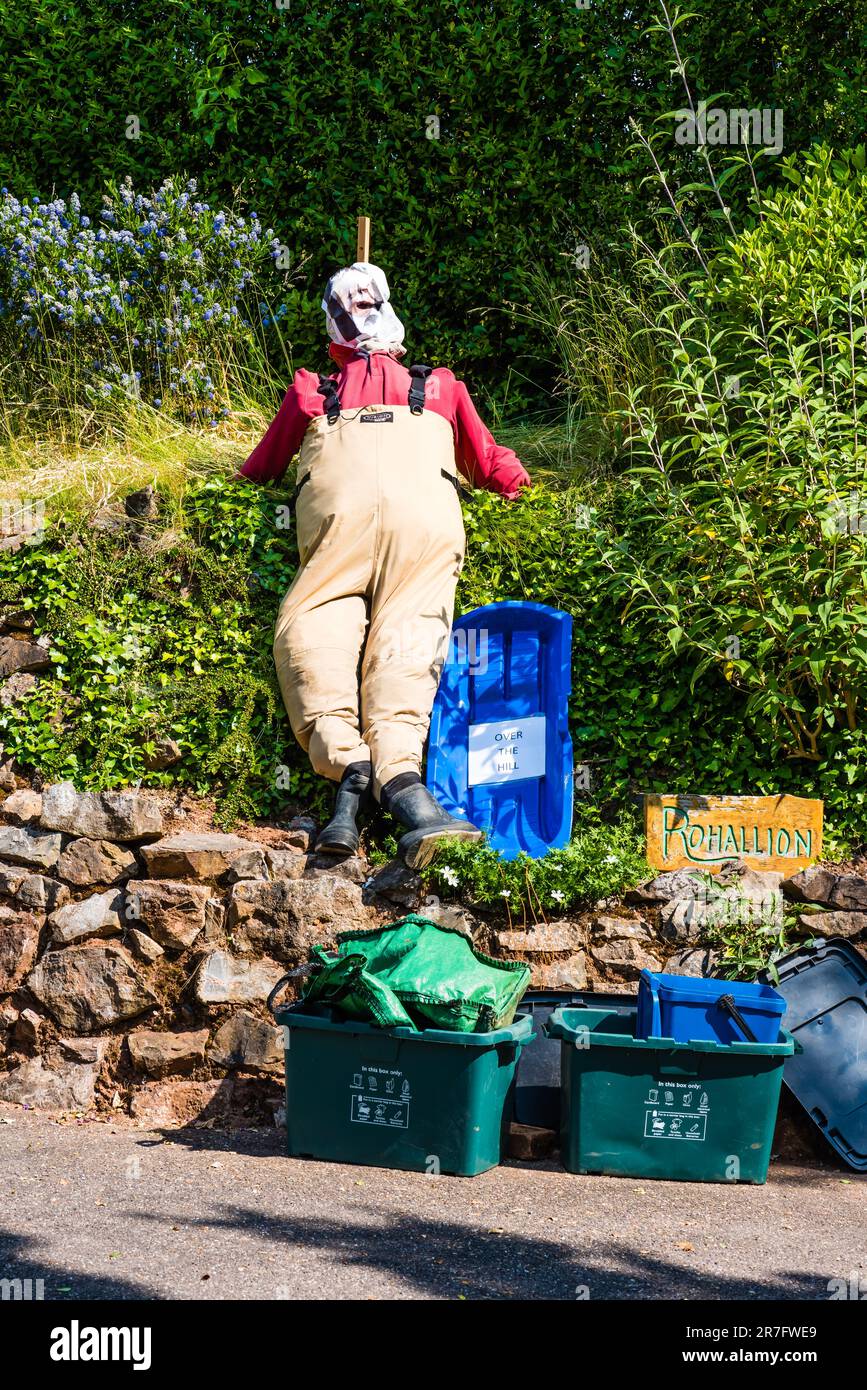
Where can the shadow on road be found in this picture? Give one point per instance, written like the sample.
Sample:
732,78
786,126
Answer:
447,1259
18,1261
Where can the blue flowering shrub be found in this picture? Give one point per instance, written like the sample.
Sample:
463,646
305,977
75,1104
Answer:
154,301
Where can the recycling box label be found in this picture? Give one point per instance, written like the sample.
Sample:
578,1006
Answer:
668,1124
506,750
380,1096
677,1110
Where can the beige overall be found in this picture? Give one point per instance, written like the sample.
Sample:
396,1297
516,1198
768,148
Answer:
363,632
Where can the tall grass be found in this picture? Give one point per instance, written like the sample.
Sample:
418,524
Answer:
600,326
73,479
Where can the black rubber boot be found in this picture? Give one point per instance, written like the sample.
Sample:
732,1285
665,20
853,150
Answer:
405,798
340,835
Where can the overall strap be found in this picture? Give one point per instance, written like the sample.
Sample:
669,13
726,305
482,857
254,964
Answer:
449,477
419,375
327,388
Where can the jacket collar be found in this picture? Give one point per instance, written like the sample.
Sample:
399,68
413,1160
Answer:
341,355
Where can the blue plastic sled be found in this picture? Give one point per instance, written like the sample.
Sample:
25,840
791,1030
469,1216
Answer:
500,752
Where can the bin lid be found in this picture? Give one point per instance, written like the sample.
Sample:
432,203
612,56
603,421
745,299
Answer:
499,751
550,999
825,987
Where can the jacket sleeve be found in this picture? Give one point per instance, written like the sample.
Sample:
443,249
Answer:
282,439
486,463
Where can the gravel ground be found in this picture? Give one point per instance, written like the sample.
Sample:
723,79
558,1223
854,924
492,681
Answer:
106,1210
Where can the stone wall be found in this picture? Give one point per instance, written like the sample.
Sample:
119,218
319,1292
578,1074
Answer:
136,956
135,959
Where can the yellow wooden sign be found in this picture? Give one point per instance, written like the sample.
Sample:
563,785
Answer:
767,832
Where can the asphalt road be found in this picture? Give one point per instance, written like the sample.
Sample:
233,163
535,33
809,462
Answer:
106,1210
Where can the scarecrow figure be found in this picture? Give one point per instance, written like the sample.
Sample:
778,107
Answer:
363,631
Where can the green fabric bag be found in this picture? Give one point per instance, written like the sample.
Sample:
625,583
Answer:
346,985
415,973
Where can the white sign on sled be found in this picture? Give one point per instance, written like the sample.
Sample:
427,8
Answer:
506,750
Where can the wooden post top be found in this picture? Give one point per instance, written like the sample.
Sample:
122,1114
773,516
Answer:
362,243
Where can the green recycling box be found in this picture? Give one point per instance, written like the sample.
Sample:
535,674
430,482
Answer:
429,1101
700,1111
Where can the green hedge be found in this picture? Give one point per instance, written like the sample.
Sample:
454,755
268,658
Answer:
316,112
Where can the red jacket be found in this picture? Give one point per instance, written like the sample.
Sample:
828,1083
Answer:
380,380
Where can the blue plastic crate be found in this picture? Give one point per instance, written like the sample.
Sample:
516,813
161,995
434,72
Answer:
688,1009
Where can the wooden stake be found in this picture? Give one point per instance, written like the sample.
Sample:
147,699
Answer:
362,244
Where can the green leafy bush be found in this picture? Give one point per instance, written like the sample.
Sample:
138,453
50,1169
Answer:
750,514
744,949
167,635
715,563
635,723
